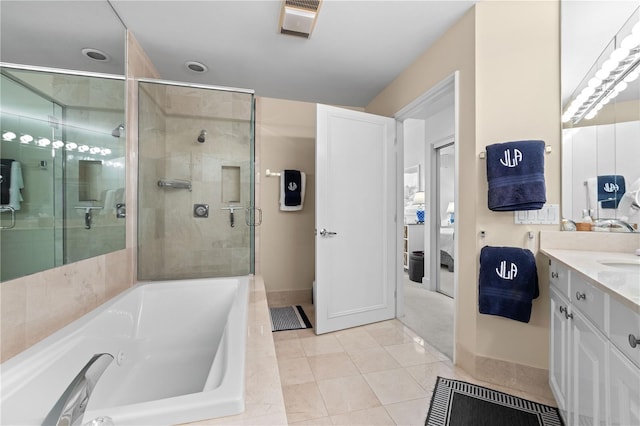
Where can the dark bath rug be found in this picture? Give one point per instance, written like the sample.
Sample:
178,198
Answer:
288,318
457,403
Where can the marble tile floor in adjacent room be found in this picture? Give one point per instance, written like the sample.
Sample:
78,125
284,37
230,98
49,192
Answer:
380,373
429,313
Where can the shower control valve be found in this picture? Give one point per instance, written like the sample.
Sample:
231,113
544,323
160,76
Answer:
201,210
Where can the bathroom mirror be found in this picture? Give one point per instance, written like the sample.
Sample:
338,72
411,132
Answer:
71,117
600,53
62,168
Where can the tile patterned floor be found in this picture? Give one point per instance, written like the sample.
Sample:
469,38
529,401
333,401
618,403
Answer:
378,374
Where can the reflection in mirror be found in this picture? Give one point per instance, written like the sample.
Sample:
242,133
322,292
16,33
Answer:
601,113
54,34
62,168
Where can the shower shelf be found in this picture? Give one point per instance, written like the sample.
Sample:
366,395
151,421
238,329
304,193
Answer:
175,184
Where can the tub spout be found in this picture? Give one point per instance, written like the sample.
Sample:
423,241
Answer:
70,407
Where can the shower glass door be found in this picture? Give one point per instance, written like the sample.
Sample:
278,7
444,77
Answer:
195,200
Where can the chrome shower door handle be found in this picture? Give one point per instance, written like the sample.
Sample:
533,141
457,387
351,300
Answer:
325,233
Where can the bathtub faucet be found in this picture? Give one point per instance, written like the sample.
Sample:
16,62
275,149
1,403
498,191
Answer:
70,407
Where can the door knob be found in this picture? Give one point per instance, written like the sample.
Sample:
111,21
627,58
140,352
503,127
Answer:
326,233
633,341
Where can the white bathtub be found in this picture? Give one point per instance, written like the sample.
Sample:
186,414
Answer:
179,349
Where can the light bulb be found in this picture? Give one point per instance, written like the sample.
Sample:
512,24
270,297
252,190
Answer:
83,148
630,41
619,54
8,136
610,65
602,74
594,82
582,97
57,144
44,142
588,90
592,114
26,138
105,151
632,76
71,146
620,87
94,150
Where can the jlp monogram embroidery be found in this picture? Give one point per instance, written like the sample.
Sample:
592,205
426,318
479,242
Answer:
507,273
511,160
292,186
611,187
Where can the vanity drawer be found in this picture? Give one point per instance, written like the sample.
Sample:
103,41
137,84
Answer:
625,322
588,299
559,277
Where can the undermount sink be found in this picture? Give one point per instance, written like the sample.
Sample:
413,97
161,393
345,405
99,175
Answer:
624,264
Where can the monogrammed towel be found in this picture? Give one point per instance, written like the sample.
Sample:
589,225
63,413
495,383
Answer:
515,173
508,282
611,188
292,188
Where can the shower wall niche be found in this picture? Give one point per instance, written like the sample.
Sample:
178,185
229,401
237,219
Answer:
172,242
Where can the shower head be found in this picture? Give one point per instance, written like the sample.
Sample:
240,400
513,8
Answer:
116,133
202,135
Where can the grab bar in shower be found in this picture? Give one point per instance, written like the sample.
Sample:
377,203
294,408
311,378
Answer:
175,184
8,208
70,407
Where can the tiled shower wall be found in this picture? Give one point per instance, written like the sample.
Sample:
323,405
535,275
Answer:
173,243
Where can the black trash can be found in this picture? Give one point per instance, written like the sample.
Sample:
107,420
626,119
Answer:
416,266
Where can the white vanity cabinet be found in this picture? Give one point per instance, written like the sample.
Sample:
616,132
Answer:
559,351
624,365
593,376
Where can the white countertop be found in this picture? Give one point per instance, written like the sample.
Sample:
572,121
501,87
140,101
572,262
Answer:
623,285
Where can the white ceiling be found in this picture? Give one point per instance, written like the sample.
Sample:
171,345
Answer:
357,47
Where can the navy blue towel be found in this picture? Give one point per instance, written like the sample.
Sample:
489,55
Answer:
5,184
508,282
611,188
292,188
515,173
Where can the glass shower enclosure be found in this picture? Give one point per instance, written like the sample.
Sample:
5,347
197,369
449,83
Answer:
62,169
196,213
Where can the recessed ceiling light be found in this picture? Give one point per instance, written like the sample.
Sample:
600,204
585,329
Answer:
95,54
194,66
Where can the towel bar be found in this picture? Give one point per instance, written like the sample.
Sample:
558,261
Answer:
269,173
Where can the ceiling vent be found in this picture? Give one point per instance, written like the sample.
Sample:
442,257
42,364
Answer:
298,17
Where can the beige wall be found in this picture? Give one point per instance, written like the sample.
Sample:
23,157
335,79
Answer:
285,139
507,55
35,306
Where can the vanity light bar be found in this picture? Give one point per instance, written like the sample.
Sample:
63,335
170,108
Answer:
27,139
609,88
615,72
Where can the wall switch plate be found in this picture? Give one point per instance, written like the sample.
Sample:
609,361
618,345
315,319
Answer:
548,215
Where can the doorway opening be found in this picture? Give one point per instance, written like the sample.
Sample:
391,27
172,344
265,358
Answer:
427,134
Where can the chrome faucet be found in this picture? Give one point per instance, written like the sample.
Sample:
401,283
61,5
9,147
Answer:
610,222
70,407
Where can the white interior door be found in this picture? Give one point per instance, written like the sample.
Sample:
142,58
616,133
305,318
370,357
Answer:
355,223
